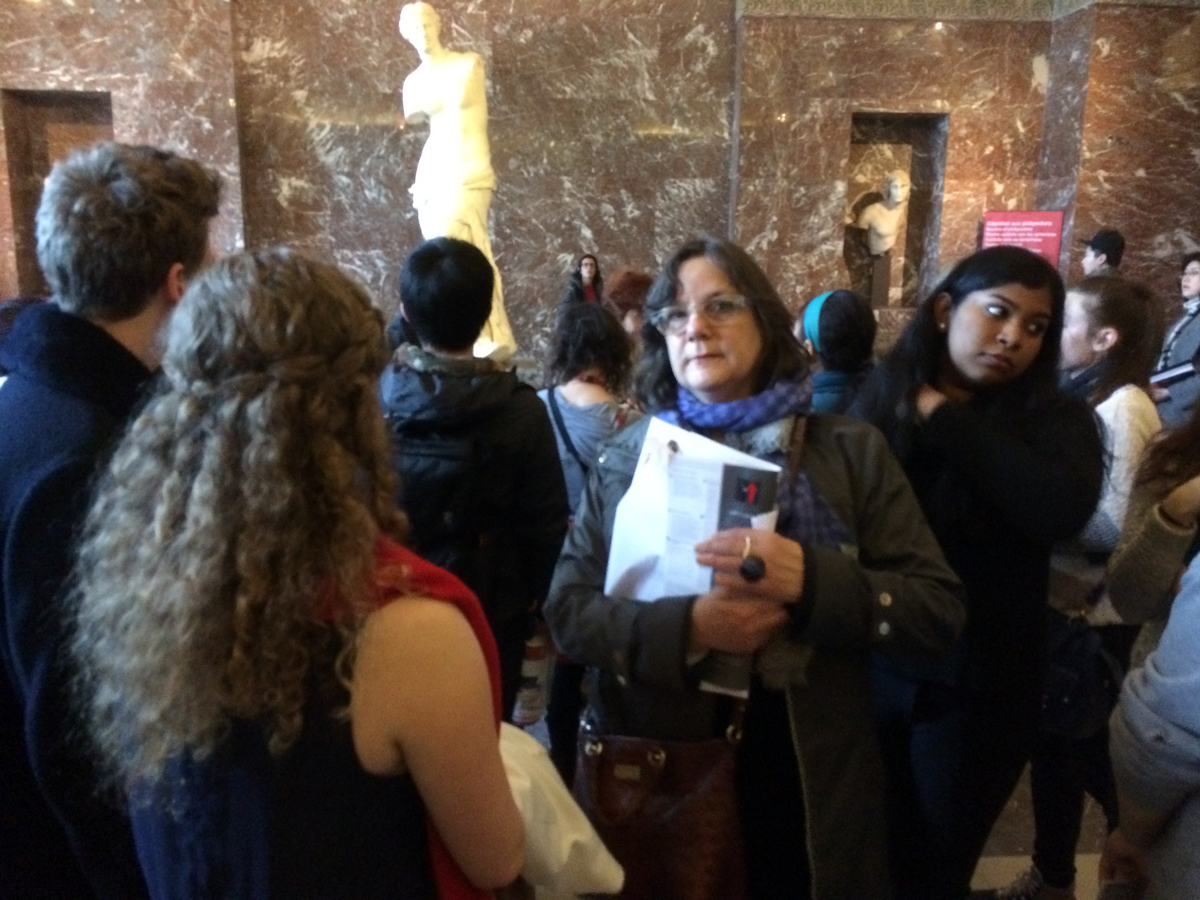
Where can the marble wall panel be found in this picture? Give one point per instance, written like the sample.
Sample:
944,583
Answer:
802,79
608,122
166,66
1066,99
1141,139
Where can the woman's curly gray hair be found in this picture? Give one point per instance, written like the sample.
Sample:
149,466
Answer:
239,513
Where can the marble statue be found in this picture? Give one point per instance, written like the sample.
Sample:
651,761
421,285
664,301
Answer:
882,220
453,188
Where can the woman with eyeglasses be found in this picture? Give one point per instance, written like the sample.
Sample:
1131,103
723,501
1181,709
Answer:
1005,465
852,566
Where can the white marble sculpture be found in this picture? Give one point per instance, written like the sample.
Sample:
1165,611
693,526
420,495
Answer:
882,220
454,184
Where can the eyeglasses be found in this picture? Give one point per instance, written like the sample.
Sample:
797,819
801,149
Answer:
673,320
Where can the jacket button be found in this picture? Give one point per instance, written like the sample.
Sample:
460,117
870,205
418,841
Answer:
885,599
884,629
622,680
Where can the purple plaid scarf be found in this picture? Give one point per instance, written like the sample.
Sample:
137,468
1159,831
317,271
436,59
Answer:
804,515
780,399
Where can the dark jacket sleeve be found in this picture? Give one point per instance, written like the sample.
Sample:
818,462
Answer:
1045,482
541,511
42,536
893,588
638,642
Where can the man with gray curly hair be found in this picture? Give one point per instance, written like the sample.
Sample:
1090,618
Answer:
120,230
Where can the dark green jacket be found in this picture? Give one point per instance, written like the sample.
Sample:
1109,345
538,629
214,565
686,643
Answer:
889,591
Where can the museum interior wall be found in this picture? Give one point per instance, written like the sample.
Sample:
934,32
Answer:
162,70
625,126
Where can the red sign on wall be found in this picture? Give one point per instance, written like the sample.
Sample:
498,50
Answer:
1039,231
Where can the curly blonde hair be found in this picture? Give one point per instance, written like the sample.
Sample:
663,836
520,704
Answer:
238,518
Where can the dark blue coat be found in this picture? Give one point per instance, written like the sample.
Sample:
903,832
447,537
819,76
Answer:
70,390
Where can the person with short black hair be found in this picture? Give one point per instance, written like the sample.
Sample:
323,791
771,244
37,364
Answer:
1103,252
120,231
838,327
443,296
478,463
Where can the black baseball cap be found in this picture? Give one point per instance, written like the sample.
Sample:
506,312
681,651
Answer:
1107,241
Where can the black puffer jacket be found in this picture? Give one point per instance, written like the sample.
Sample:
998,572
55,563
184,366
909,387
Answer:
477,458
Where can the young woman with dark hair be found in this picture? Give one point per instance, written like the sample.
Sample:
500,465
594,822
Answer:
1004,465
1111,336
588,369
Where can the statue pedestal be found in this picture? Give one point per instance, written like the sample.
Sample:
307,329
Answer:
881,278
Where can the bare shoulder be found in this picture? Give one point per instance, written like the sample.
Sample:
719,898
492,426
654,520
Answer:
415,627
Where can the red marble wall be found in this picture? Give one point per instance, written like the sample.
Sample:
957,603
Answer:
1140,150
1062,137
608,123
801,80
166,65
618,128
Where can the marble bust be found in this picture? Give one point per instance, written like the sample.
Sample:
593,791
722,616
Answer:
882,220
452,191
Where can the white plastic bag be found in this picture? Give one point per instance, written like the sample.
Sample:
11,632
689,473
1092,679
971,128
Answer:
563,854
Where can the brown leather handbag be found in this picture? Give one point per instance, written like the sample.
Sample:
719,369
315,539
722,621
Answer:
668,811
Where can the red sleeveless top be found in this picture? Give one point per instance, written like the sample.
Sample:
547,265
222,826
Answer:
397,566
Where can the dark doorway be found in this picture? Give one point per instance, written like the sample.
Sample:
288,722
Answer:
40,128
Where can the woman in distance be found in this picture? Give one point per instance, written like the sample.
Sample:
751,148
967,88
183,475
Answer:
294,705
1004,465
850,566
586,284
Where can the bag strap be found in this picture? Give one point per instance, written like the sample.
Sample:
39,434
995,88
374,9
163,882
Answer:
561,428
796,446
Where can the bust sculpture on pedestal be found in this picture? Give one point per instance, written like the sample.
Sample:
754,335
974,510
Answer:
453,188
882,220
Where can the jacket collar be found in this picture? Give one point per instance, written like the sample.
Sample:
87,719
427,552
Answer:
71,354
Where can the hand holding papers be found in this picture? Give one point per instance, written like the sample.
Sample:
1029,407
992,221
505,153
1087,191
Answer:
685,488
